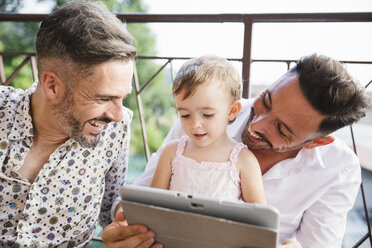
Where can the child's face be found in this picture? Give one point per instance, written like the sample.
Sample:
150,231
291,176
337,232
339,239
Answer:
205,115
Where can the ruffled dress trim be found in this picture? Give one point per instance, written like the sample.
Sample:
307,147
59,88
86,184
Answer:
208,165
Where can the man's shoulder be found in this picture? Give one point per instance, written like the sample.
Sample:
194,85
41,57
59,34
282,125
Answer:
337,147
9,96
339,154
10,102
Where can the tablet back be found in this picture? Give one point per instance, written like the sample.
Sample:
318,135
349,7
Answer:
254,214
184,221
179,229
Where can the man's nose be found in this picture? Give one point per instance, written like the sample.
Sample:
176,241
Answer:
115,111
260,123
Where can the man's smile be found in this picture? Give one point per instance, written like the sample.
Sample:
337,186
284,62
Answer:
253,134
97,125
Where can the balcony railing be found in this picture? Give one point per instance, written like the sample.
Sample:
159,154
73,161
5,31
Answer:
247,19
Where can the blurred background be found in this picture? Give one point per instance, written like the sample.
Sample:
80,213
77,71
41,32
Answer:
270,41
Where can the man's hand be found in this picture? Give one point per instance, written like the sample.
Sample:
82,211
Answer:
119,234
290,243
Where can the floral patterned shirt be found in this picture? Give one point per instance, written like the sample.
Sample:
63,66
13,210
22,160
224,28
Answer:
74,188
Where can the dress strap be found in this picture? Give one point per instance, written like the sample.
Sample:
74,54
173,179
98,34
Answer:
180,149
234,173
182,144
235,152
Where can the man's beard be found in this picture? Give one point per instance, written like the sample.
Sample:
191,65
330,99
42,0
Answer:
248,142
67,117
265,144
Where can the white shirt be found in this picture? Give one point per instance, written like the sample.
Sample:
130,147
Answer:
73,190
313,191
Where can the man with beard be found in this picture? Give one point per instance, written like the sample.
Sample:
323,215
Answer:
64,141
309,176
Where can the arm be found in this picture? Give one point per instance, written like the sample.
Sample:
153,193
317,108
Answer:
145,179
118,234
163,170
116,176
251,178
323,224
252,186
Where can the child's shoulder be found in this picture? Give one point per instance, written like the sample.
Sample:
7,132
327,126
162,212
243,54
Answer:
246,155
174,144
171,147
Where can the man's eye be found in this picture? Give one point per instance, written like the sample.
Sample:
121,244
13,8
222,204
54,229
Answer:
104,99
208,115
265,101
281,132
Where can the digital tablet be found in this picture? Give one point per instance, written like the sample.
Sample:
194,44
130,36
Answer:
254,214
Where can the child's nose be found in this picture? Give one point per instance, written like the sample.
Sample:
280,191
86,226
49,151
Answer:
196,123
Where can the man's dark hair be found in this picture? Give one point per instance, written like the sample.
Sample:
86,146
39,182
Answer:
84,34
330,89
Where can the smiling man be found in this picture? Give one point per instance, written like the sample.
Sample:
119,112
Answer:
309,176
271,126
64,141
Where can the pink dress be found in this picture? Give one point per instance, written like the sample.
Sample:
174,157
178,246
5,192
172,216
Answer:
212,179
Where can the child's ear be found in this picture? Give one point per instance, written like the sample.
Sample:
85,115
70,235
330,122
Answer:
320,142
234,110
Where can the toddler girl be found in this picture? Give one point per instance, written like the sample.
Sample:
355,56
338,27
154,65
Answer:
206,161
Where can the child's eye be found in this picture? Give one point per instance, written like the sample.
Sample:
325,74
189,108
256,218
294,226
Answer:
185,116
208,115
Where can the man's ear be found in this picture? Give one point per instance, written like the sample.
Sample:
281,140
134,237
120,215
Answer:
53,86
234,110
320,142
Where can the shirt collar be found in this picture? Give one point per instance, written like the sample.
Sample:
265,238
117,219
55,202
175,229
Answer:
22,126
305,158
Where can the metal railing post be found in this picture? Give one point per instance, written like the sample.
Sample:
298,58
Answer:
140,112
248,24
2,71
34,68
369,234
16,71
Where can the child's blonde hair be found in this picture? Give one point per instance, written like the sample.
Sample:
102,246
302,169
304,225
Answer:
197,71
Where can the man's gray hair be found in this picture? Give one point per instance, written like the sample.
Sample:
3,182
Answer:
83,34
